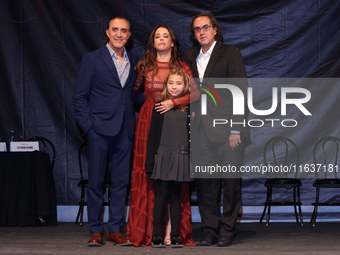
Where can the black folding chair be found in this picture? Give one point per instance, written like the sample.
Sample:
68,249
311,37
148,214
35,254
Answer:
83,184
324,169
45,141
280,178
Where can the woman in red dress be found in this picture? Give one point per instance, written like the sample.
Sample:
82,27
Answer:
162,54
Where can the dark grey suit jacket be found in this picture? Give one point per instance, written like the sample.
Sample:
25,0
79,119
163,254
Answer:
225,62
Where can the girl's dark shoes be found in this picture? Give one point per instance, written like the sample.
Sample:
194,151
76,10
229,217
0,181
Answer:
176,242
157,242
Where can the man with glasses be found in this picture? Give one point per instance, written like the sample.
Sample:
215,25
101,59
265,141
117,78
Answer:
103,107
211,58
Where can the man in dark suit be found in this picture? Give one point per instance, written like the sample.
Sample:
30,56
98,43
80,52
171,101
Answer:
103,107
222,144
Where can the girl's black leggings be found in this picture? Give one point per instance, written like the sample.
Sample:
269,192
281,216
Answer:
167,190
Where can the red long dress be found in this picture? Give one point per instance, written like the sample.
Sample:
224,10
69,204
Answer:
143,190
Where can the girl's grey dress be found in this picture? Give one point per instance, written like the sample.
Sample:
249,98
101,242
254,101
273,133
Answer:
172,162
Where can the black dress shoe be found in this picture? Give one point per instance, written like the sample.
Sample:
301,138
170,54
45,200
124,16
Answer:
157,242
208,240
223,241
176,242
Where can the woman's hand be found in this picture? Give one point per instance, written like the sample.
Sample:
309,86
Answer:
164,106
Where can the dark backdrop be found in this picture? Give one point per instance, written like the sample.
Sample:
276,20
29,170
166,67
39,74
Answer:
42,43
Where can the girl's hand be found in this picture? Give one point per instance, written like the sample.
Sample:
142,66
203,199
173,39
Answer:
164,106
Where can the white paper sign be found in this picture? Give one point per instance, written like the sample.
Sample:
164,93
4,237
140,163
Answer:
2,146
24,146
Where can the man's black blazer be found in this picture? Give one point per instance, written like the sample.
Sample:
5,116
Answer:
225,62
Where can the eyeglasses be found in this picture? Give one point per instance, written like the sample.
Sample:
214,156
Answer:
204,28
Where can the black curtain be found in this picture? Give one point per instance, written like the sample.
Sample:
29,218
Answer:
42,43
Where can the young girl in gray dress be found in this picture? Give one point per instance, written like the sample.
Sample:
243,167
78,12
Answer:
167,158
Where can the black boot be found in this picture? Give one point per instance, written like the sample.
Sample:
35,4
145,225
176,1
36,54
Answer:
176,242
157,242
